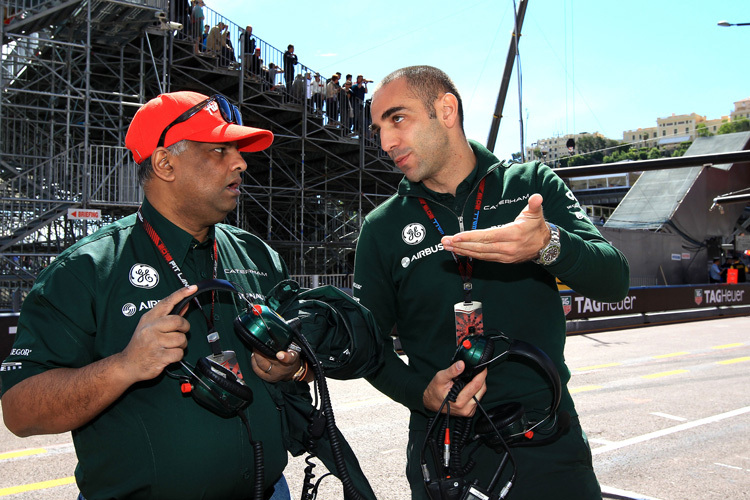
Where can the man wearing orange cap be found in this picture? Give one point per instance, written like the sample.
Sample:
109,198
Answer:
96,344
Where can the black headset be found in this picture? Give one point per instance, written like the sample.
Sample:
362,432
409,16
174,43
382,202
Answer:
223,391
508,420
500,428
212,383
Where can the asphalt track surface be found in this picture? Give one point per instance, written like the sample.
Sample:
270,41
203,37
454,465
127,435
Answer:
666,409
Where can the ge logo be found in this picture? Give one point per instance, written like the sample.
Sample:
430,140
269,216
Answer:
143,276
413,233
128,309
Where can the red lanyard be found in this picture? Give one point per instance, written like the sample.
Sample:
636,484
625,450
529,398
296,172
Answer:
465,267
162,248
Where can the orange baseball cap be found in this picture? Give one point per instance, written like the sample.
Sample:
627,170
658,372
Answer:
206,125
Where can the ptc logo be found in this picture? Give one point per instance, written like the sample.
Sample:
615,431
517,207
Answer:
143,276
413,233
128,309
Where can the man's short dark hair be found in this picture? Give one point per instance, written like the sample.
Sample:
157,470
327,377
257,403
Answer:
428,84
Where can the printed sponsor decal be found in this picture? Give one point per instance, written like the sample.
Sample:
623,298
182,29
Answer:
129,309
585,305
245,271
10,365
413,233
148,304
698,296
20,352
506,202
406,261
212,107
723,296
567,304
143,276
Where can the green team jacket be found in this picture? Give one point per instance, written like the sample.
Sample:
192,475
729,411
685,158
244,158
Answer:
403,275
153,442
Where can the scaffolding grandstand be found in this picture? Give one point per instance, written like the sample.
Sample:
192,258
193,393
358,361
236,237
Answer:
74,72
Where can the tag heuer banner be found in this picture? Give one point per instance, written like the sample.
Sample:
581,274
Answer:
653,299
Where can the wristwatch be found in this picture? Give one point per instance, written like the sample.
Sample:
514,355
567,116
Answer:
550,253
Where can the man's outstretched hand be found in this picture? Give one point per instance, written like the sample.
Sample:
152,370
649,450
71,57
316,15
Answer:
518,241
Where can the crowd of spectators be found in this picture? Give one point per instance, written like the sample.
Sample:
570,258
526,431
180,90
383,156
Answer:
339,102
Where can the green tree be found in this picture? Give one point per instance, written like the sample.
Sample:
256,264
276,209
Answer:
680,150
701,130
739,125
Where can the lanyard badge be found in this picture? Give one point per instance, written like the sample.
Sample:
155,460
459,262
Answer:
469,320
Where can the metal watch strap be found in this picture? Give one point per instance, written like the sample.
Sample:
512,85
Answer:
550,252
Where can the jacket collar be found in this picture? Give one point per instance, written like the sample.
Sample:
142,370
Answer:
177,240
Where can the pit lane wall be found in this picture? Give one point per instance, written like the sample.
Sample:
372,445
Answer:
642,306
655,305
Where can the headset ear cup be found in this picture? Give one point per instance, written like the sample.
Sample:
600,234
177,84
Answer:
228,383
251,340
503,417
488,352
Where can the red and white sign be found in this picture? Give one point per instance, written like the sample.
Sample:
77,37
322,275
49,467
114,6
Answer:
84,214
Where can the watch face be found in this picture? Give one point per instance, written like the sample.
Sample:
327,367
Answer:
549,255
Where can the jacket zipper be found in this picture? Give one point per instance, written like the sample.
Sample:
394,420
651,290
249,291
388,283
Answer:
463,209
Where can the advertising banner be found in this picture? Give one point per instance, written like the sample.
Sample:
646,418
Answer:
654,299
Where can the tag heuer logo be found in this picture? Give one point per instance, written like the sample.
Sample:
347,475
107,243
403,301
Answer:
413,233
698,296
143,276
567,304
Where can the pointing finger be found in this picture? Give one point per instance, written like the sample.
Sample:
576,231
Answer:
166,305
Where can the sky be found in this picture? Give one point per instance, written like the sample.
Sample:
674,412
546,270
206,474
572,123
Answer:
586,66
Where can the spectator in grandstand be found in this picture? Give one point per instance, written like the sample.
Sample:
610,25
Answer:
290,60
256,63
97,337
196,19
332,99
359,90
204,37
247,44
273,70
346,109
216,40
317,92
299,88
227,51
